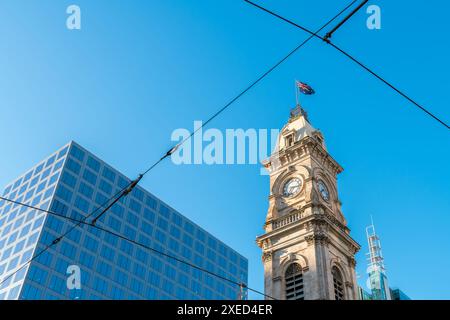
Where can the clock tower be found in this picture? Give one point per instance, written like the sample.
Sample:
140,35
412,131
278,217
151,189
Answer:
308,252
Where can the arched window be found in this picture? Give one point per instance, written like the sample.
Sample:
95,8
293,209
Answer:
338,284
294,282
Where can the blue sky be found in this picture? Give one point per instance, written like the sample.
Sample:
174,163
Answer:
139,70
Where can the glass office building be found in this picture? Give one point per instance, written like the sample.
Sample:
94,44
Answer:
74,182
398,294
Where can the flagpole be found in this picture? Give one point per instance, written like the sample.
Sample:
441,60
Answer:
296,93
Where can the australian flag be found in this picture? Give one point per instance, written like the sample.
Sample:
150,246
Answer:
304,88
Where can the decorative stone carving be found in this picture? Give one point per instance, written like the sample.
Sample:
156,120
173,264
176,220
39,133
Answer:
319,238
267,256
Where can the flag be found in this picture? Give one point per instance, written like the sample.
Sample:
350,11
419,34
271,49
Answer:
304,88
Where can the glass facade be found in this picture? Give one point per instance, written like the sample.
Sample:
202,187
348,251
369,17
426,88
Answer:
74,182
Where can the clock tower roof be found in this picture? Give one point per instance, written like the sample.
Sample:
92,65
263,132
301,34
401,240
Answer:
297,128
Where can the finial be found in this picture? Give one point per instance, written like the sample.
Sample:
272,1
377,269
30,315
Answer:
297,112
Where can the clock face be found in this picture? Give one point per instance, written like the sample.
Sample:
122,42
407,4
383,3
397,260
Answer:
323,190
292,187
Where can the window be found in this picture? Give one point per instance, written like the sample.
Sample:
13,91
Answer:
57,284
187,240
81,204
36,200
130,233
163,224
30,293
338,284
135,206
37,223
69,179
141,255
29,195
25,230
48,193
126,247
107,253
50,161
175,232
58,165
85,190
7,190
189,227
93,164
294,282
109,174
34,181
41,187
45,174
118,210
123,262
160,236
105,187
77,153
121,277
86,259
18,182
139,271
53,179
23,188
33,239
90,177
62,153
19,246
68,250
74,235
73,166
132,219
104,268
114,223
138,194
54,223
146,228
100,199
165,211
123,182
59,207
149,201
38,275
14,292
91,244
111,239
27,255
64,193
289,140
101,286
149,215
13,264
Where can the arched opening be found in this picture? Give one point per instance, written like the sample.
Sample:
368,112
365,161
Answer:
294,282
338,284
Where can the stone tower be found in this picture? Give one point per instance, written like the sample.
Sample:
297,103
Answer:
307,249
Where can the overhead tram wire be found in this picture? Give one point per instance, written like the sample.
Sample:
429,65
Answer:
340,24
327,40
226,106
125,190
59,238
84,222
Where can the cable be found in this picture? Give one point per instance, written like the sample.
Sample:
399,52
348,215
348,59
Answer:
254,83
132,184
354,60
58,239
340,24
84,222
